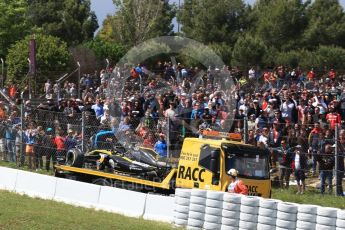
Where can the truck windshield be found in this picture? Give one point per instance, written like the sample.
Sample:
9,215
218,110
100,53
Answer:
249,164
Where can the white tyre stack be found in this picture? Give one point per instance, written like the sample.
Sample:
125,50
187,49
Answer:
267,214
231,211
249,212
306,217
286,215
182,198
197,206
341,220
326,218
213,210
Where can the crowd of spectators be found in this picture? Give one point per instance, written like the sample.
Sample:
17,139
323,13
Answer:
292,113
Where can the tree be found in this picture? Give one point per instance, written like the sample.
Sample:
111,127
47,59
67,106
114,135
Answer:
106,49
71,20
279,23
13,23
52,58
248,50
212,21
326,24
138,20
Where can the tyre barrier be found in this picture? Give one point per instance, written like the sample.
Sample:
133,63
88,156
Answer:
249,212
181,209
326,218
231,211
267,217
197,206
306,217
286,215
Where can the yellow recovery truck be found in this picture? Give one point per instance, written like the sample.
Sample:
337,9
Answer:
203,163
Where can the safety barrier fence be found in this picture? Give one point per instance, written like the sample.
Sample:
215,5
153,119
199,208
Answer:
191,208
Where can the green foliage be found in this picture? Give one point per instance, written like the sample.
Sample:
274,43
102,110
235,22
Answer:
326,24
212,21
13,23
248,51
279,23
52,58
106,49
137,21
70,20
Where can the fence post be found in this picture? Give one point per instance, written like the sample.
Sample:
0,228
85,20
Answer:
245,130
21,163
83,131
336,156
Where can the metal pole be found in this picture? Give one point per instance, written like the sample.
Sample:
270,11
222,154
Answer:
83,131
336,156
21,158
108,63
78,79
178,23
29,78
245,130
2,73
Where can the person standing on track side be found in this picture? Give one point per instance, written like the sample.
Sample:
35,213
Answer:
236,185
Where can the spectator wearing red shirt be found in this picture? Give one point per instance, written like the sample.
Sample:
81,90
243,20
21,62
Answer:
311,74
333,118
59,142
332,74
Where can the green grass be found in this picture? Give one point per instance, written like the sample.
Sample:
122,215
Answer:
22,212
25,168
311,196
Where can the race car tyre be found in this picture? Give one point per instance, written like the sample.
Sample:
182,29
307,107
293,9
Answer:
287,207
199,193
197,208
232,198
286,224
185,193
252,201
196,215
268,212
267,220
231,206
212,226
310,209
249,209
214,203
265,227
340,223
213,219
182,201
323,220
306,217
75,158
286,216
181,208
324,227
198,200
180,215
215,195
195,222
180,222
228,227
230,222
341,214
231,214
269,203
329,212
305,225
213,211
102,182
247,225
248,217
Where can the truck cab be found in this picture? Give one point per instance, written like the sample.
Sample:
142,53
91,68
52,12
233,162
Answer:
204,163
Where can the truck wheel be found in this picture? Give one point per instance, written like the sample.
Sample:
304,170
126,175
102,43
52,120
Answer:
74,158
102,182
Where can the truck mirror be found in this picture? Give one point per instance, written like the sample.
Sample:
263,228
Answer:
214,166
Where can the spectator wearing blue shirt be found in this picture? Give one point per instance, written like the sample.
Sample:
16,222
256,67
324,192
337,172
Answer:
98,108
70,141
161,146
197,112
